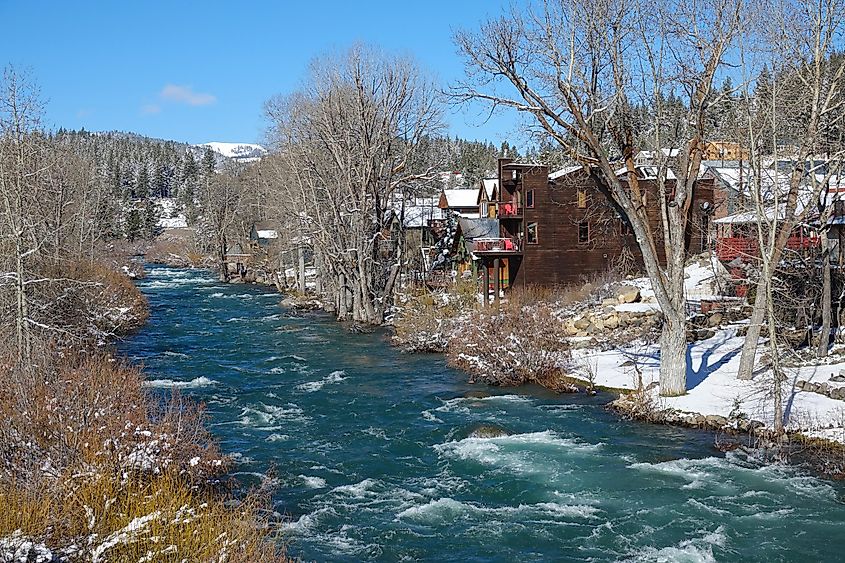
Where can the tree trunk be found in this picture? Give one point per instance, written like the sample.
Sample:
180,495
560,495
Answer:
224,268
752,337
301,269
673,356
824,335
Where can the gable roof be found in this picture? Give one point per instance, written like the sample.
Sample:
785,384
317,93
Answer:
489,186
458,198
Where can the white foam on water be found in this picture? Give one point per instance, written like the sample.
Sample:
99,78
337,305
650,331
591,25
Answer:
428,415
171,384
447,509
361,489
312,386
693,550
735,472
175,354
295,357
270,417
514,451
275,437
313,482
308,522
463,404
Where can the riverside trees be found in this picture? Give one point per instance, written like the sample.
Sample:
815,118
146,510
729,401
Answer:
348,146
795,116
579,69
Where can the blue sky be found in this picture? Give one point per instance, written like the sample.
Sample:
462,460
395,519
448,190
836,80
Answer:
200,71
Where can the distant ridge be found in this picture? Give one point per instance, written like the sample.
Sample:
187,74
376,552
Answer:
241,152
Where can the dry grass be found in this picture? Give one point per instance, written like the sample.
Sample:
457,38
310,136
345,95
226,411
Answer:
161,519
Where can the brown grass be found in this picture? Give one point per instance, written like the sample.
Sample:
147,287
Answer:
85,450
160,519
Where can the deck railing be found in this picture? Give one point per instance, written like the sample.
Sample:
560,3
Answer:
730,248
496,245
509,209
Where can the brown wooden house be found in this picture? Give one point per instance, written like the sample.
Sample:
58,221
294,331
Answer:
558,229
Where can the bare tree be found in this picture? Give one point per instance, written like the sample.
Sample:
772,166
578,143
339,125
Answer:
579,69
220,200
346,147
802,105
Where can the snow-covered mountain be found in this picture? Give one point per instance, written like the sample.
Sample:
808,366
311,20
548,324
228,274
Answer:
241,152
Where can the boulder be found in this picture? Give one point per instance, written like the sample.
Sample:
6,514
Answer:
837,393
838,378
628,294
714,320
581,323
611,322
715,420
488,431
609,302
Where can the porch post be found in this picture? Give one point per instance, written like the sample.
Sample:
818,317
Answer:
497,284
485,290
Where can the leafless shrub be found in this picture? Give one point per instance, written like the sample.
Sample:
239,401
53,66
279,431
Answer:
511,346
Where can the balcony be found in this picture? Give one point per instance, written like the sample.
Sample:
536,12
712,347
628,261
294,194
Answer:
731,248
509,209
496,246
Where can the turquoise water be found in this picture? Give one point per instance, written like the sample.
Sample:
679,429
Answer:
371,451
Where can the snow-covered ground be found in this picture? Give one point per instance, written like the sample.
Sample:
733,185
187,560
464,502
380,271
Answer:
712,386
242,152
170,216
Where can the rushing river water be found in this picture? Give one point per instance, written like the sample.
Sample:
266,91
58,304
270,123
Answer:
373,458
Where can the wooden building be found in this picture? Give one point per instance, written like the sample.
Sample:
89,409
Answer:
556,228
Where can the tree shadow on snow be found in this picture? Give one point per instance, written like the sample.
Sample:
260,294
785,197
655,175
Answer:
705,368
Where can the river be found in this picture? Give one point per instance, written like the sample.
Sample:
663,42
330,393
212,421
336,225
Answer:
372,455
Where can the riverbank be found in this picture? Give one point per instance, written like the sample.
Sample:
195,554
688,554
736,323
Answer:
96,467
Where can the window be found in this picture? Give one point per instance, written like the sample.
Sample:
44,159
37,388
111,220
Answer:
583,231
532,237
582,199
529,199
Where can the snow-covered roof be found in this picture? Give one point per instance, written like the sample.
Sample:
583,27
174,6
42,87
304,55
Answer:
564,172
489,185
267,233
805,199
461,197
647,172
419,212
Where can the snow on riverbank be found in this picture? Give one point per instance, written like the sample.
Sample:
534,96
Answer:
712,386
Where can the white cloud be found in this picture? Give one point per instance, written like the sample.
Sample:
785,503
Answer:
185,95
151,109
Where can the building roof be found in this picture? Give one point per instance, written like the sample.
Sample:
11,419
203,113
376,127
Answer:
479,228
419,212
489,186
565,171
463,197
647,172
